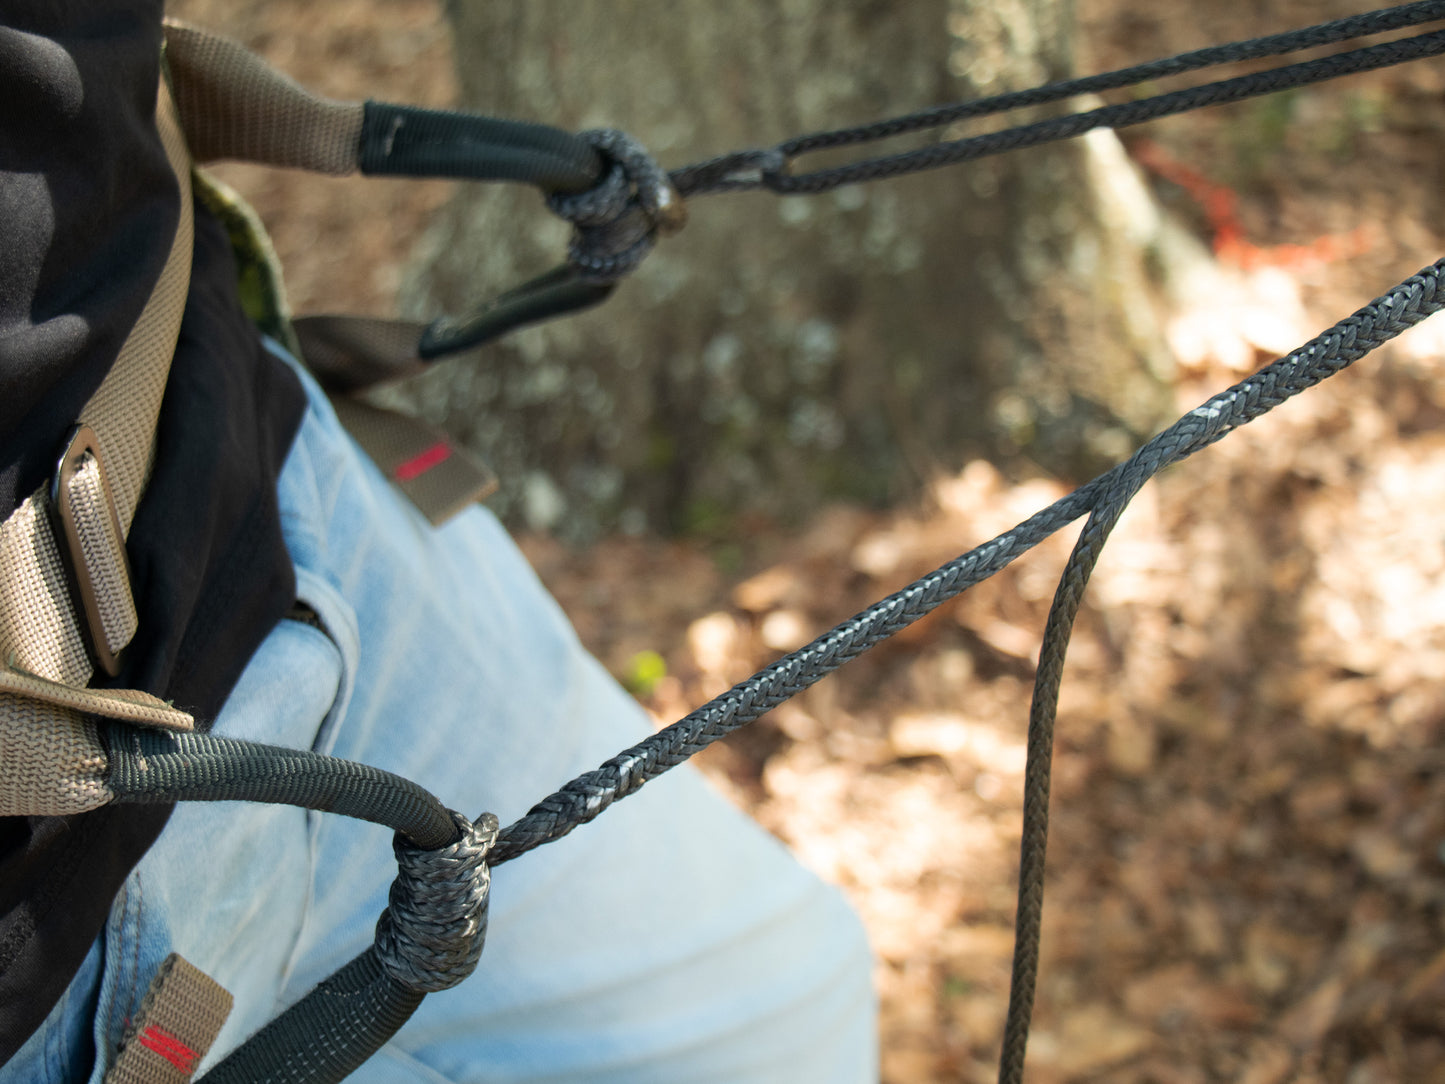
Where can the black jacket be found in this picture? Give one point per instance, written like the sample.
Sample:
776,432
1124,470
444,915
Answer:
88,208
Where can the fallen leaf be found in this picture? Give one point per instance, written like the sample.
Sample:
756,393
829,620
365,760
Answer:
1269,1063
767,590
786,630
1307,1022
1430,979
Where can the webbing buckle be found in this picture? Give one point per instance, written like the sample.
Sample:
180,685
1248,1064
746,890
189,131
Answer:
92,549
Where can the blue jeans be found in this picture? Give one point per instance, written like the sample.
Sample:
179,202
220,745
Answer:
670,940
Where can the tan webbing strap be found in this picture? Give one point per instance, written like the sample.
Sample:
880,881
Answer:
434,472
125,705
235,105
124,410
53,761
176,1024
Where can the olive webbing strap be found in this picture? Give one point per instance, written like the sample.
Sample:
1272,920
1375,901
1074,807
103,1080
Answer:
327,1035
149,766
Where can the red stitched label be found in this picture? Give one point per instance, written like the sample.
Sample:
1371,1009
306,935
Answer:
169,1047
419,464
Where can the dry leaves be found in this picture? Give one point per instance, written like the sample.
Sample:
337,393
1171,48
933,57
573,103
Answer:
1247,880
1246,866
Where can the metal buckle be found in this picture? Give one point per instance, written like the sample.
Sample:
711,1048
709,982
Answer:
83,442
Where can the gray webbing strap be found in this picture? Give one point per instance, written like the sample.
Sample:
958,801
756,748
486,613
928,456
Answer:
176,1024
54,762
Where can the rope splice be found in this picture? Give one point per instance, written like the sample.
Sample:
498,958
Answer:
617,221
431,935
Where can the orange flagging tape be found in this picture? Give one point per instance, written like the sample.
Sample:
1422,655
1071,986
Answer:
1221,209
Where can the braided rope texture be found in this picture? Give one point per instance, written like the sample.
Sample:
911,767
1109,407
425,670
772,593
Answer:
1104,499
1323,356
1115,116
616,221
1310,37
582,799
766,168
430,937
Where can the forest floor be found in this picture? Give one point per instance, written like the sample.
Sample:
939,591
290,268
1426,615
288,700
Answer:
1247,856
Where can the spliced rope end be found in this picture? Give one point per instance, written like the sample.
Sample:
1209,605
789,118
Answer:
617,221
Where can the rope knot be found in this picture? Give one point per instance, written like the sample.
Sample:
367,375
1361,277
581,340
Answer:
430,937
616,222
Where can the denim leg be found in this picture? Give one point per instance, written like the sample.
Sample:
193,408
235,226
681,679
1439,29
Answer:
670,940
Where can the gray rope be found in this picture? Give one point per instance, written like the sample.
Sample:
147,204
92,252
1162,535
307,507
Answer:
430,937
615,223
1336,349
1122,115
585,797
1290,41
432,934
1105,499
616,220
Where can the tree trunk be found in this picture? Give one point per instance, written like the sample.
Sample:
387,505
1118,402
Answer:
780,353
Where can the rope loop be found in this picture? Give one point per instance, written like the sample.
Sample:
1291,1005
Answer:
740,171
616,222
430,937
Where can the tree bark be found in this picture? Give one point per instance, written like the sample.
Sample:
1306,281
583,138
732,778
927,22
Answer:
781,353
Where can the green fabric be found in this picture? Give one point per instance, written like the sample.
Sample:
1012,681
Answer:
258,270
